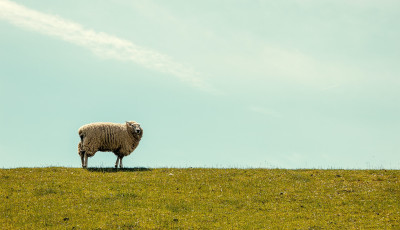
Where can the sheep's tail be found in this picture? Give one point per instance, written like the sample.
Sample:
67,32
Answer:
80,144
81,135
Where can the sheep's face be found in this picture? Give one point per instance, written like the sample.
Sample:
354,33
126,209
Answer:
134,128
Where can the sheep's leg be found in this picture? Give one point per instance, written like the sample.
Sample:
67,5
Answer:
120,162
81,152
116,163
85,160
82,160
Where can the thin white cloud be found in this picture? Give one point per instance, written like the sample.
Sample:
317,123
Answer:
101,44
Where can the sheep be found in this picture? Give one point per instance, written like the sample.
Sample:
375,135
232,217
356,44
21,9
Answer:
121,139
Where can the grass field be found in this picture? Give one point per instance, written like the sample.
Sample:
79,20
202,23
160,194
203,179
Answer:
139,198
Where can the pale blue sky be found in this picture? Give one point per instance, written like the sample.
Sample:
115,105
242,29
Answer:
288,84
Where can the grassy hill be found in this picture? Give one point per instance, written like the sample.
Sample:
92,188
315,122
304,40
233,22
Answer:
138,198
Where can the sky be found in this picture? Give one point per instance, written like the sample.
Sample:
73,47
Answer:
270,84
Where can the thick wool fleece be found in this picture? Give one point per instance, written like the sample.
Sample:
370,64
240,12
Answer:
121,139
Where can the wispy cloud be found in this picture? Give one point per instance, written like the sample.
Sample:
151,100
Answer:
101,44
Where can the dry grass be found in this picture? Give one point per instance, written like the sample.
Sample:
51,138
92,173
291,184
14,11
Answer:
69,198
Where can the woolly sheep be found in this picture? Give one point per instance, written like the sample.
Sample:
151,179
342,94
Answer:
121,139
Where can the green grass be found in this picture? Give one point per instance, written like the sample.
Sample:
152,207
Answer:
70,198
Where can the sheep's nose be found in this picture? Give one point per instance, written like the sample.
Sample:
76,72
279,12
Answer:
138,131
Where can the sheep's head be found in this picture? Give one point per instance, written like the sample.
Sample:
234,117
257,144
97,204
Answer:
134,128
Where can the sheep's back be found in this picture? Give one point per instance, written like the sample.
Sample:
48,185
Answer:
101,126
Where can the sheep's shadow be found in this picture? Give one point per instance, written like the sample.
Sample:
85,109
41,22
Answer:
113,170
